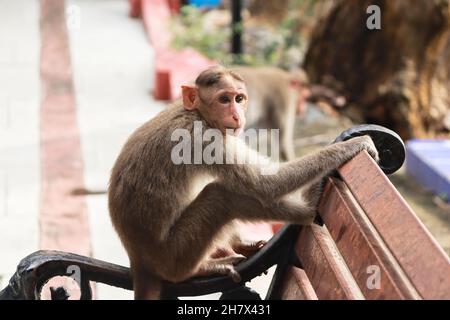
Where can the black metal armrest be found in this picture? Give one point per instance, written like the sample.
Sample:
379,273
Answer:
39,267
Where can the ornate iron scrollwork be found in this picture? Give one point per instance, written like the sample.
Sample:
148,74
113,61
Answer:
34,271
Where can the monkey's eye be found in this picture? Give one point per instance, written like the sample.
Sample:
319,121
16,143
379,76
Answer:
239,98
224,99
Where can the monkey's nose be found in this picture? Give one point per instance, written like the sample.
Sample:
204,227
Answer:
237,119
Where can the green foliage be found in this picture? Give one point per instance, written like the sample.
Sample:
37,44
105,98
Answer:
262,46
190,31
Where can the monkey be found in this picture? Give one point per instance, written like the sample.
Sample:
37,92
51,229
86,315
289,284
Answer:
177,220
276,97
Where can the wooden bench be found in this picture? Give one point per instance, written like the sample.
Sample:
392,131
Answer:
371,246
367,244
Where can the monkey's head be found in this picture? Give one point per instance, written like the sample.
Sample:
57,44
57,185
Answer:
220,96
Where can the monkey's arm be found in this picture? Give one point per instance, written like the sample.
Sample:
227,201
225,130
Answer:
269,182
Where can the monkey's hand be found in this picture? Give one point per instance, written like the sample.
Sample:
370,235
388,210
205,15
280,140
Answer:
366,143
248,247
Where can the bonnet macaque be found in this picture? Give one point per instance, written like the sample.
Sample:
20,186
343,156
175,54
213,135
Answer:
173,217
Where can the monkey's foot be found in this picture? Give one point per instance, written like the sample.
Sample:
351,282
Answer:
248,247
224,266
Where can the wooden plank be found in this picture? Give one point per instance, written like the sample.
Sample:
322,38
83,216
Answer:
362,248
324,265
417,252
296,286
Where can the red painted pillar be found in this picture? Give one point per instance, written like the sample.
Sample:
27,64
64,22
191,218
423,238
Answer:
135,8
174,6
162,85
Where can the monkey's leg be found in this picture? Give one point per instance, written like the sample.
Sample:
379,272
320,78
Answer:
146,286
190,237
242,249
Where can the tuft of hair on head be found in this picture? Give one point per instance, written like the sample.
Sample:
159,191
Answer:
212,76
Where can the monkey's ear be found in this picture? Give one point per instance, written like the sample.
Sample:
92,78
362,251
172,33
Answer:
189,96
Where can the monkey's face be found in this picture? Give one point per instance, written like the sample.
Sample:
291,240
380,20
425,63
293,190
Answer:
222,105
226,105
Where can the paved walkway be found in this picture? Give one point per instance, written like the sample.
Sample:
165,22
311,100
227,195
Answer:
112,76
112,63
19,132
113,73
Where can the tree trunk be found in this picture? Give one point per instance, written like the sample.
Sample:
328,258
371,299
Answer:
397,76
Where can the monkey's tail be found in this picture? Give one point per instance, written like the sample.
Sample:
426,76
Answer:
146,286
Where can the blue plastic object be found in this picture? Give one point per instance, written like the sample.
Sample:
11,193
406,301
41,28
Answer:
428,161
204,3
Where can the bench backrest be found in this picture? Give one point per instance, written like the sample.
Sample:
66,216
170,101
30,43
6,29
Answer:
371,246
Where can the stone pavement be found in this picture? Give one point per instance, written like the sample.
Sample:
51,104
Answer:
19,132
112,64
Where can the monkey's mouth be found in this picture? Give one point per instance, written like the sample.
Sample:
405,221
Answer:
233,130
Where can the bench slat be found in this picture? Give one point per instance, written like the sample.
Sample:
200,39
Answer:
324,265
361,246
296,286
419,255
